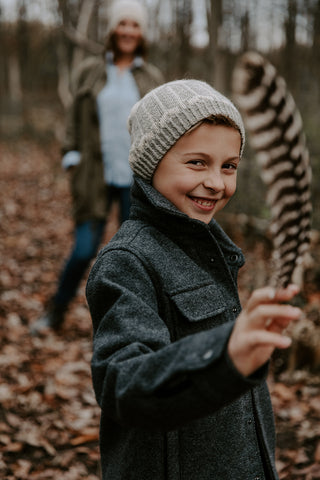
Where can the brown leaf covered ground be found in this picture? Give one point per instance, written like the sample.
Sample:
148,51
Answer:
48,414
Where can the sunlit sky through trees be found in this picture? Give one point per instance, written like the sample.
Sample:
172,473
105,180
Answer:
266,18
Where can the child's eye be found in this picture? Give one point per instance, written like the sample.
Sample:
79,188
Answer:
197,163
230,166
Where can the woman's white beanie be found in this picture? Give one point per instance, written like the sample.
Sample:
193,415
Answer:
127,9
166,113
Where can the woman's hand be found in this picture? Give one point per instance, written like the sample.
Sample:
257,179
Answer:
258,329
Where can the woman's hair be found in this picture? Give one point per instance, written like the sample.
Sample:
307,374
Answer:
111,45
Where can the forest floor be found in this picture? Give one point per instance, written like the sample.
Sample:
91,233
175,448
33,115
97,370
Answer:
49,419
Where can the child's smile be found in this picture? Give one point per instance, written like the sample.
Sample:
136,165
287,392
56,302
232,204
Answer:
203,203
199,173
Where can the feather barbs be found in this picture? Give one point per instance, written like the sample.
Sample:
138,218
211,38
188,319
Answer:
276,135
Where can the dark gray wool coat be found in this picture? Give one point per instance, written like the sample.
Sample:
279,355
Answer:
163,299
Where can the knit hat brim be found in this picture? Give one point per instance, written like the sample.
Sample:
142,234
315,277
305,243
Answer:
166,113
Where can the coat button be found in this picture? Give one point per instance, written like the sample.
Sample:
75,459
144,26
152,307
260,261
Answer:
234,309
233,258
212,260
207,355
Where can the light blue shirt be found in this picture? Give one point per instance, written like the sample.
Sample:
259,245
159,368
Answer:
114,104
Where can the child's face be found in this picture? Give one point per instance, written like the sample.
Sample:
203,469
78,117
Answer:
199,173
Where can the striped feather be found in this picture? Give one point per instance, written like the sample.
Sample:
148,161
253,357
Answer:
276,134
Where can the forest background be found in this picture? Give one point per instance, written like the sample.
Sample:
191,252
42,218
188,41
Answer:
49,419
41,41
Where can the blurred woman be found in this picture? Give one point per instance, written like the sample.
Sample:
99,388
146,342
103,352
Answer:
96,146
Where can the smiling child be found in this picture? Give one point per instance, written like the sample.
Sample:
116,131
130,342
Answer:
179,370
198,180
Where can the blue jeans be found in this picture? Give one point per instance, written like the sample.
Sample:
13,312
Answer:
87,238
122,195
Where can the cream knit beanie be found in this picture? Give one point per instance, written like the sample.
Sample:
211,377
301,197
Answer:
162,116
127,9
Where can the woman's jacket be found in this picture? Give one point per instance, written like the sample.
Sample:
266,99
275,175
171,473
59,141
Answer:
88,187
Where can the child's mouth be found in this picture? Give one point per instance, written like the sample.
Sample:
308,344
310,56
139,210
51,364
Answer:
204,203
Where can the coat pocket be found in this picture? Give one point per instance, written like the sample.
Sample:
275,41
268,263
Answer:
200,308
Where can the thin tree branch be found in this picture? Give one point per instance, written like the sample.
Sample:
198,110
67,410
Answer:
82,41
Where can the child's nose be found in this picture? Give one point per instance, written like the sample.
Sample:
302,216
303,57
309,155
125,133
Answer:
214,181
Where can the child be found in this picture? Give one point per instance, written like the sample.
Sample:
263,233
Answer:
178,371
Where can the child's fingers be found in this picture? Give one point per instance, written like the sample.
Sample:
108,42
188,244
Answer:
270,295
286,294
261,295
251,350
264,315
264,338
258,329
277,325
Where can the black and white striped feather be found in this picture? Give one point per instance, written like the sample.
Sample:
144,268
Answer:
276,135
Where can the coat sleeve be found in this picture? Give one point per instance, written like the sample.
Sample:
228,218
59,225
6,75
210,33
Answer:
70,140
82,80
141,378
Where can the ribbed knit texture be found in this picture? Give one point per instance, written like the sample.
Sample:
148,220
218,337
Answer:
166,113
127,9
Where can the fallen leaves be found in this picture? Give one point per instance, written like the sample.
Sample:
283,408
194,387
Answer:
295,401
49,419
48,409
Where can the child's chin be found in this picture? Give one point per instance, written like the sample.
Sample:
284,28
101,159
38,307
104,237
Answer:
203,218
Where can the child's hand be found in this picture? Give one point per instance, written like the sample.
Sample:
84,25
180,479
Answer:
258,329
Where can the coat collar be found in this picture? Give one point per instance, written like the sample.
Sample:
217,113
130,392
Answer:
149,205
138,61
91,75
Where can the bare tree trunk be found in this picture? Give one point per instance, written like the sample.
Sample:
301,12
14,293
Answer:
184,17
63,74
290,32
85,17
79,37
316,34
215,56
14,74
245,28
